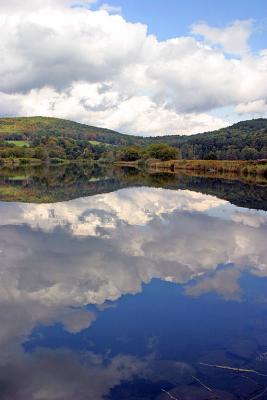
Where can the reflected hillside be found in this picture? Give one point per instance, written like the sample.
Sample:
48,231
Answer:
54,184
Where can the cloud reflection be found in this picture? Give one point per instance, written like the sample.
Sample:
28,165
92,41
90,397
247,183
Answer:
58,258
95,249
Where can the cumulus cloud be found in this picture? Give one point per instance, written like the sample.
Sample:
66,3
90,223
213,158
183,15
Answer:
28,5
224,282
10,105
132,206
103,106
105,238
252,107
111,9
233,38
61,58
62,374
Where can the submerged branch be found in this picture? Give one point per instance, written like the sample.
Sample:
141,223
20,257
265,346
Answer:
169,394
226,367
202,384
259,395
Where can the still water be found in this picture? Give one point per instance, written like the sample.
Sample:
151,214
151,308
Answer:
147,287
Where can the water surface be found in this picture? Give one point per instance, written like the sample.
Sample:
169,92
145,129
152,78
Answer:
141,289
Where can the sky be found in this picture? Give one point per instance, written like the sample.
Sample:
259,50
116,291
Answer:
149,67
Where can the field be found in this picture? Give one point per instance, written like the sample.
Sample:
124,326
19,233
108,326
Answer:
18,143
95,143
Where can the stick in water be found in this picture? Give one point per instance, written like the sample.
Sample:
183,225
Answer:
169,394
252,371
259,395
202,384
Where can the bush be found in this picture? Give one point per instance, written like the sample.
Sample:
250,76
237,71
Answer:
162,151
130,153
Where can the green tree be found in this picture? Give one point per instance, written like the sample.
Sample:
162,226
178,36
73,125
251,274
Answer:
249,153
130,153
41,153
211,156
88,154
162,151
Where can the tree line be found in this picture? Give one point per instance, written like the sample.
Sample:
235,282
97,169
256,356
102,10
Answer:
53,139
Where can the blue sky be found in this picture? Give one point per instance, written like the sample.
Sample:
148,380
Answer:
171,18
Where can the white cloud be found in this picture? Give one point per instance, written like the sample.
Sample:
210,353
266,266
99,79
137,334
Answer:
111,9
65,374
93,104
97,68
10,105
252,107
233,38
172,219
29,5
224,282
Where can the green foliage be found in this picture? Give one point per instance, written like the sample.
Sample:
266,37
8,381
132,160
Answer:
162,151
159,151
27,128
95,142
237,167
58,138
49,148
242,141
129,153
88,154
211,156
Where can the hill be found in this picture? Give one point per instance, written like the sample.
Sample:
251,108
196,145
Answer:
27,128
244,140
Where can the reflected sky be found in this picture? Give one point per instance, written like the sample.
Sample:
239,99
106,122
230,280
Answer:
121,295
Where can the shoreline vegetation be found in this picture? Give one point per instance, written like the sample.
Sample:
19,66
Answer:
50,184
250,167
31,162
53,140
239,150
244,167
252,170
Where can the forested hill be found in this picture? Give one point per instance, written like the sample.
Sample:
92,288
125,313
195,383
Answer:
244,140
27,128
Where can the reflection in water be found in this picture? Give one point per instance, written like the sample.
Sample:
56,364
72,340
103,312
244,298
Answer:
45,184
121,295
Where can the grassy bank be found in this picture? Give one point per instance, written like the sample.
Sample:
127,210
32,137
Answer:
9,162
239,167
126,163
247,171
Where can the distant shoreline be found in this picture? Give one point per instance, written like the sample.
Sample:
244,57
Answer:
237,168
254,171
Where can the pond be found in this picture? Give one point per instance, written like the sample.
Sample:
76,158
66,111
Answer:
117,284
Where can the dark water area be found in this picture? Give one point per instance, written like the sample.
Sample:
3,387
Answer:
119,285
